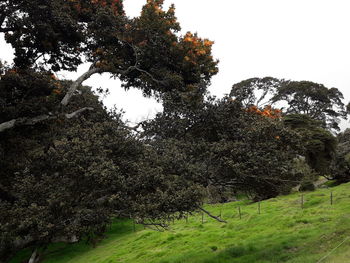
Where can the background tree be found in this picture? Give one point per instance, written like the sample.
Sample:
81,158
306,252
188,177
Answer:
341,163
314,100
295,97
255,91
320,144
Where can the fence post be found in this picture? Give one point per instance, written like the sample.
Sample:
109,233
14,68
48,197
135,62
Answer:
239,212
331,197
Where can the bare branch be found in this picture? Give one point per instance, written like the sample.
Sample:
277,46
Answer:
142,70
78,112
72,89
24,122
78,82
132,128
40,118
212,216
162,82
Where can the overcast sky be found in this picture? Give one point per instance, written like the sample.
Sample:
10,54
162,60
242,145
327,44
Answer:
291,39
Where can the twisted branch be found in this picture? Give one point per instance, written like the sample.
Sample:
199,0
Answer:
212,216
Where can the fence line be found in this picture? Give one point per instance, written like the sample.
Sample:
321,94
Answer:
326,256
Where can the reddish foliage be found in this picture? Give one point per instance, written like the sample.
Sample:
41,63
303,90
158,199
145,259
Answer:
268,112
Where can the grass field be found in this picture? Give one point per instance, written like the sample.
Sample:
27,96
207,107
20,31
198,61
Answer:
282,232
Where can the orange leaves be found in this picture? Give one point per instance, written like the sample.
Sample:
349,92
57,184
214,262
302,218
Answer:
171,9
189,37
196,41
208,43
197,48
156,5
268,112
201,52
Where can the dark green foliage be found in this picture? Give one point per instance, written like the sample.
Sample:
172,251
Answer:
304,171
56,34
28,93
67,165
63,180
255,91
307,186
144,52
320,145
230,147
314,100
341,163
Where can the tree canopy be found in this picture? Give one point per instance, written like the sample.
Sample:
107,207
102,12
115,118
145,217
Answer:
235,148
294,97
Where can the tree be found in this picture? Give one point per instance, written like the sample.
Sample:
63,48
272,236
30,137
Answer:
320,144
314,100
296,97
341,163
65,180
255,91
70,166
145,52
231,146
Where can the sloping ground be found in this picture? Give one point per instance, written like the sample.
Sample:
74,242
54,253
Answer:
282,232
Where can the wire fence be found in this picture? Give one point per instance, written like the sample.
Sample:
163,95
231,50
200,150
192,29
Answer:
239,212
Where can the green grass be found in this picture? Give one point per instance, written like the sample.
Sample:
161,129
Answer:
283,232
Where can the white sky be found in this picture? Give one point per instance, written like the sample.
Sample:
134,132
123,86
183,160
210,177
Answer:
291,39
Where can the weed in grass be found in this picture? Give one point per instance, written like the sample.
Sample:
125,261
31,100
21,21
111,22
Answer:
214,248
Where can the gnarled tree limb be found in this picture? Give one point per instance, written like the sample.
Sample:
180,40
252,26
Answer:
78,82
40,118
212,216
24,121
78,112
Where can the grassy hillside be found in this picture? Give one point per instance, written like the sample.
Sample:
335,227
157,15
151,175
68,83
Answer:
283,232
